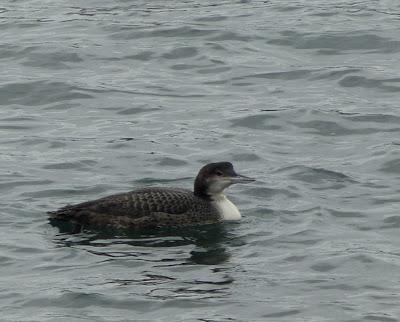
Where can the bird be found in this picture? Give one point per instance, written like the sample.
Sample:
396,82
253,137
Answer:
155,207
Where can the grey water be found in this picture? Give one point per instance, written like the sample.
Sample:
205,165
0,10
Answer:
99,97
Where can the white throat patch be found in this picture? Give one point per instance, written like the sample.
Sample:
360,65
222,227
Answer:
227,210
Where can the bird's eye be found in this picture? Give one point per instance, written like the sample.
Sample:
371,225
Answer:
218,173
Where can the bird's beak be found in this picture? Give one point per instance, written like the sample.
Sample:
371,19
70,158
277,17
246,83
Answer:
241,179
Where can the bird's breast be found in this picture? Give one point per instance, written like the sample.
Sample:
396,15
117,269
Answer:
226,209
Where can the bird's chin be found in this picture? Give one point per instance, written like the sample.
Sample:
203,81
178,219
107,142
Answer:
218,186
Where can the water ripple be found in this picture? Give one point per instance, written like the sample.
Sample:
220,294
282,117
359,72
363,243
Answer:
104,97
339,43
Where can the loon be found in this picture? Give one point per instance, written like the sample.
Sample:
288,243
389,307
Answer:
155,207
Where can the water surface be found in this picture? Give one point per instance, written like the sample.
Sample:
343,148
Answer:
99,97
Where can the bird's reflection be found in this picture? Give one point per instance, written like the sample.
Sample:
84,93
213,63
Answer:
209,241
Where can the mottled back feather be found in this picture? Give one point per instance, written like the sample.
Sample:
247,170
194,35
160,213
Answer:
142,208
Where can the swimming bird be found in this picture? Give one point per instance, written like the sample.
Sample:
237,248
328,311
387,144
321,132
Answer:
154,207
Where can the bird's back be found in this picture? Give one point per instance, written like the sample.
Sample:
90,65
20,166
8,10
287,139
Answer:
142,208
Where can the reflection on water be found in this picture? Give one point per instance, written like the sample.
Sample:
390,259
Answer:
208,241
162,261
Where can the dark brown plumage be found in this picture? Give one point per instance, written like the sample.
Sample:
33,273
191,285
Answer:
149,207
